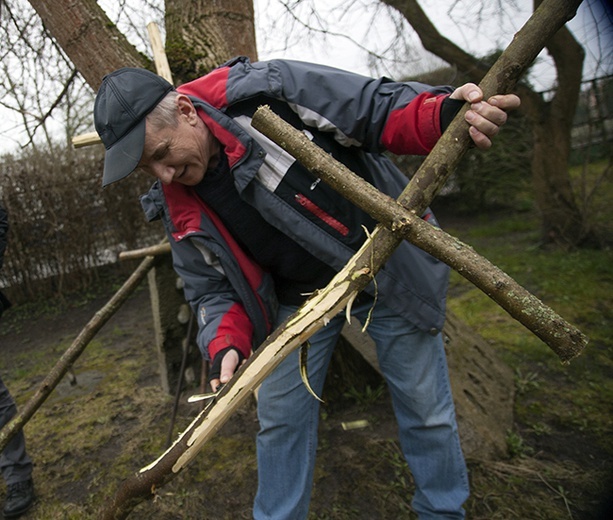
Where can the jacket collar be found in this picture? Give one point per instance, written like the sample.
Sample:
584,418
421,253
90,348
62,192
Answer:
239,146
242,150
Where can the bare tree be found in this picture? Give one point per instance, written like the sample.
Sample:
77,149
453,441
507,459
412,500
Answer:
36,79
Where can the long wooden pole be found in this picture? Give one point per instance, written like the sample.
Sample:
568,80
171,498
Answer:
562,337
75,350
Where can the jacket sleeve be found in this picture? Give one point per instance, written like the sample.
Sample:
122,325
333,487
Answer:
222,318
377,114
4,228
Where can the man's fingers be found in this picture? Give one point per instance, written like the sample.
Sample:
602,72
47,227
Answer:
505,102
488,124
482,141
229,364
467,92
485,117
472,94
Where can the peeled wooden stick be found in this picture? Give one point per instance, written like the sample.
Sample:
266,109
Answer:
158,249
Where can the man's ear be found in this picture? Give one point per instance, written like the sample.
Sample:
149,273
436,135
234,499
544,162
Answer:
187,108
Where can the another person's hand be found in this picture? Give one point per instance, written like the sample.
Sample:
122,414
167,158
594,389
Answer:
225,364
484,117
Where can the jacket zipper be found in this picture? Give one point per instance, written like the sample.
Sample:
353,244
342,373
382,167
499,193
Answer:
321,214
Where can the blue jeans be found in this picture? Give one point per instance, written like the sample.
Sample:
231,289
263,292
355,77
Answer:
415,368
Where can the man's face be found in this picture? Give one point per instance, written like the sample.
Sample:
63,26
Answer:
182,153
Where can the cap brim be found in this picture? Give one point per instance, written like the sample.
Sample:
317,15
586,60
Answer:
123,157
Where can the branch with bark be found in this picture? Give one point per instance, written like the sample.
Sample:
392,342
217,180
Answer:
341,291
562,337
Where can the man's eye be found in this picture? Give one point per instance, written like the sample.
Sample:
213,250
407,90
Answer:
159,154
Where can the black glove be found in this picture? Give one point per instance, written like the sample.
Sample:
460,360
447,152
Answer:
215,370
449,109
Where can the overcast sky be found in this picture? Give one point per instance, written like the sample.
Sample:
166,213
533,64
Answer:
497,31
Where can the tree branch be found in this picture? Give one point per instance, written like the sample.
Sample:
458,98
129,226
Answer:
563,338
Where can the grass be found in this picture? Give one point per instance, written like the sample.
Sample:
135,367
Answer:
577,285
558,408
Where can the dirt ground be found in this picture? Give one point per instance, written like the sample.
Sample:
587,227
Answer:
90,436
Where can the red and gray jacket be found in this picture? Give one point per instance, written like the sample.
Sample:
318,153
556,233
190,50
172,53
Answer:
353,117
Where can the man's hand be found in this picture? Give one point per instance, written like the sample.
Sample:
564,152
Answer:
485,117
224,365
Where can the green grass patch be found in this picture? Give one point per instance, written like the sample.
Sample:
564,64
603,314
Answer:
578,285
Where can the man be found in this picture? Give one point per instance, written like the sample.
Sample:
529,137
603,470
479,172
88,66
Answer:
253,233
15,465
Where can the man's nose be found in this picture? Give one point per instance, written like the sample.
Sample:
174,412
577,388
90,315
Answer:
164,172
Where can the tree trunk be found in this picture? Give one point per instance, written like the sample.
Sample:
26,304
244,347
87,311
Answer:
200,35
562,221
87,36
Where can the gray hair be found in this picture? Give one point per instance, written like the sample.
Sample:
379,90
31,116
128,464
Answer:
165,113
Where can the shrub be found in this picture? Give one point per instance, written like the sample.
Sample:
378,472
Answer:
63,224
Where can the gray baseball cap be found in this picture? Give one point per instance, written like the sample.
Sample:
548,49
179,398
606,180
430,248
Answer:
123,101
